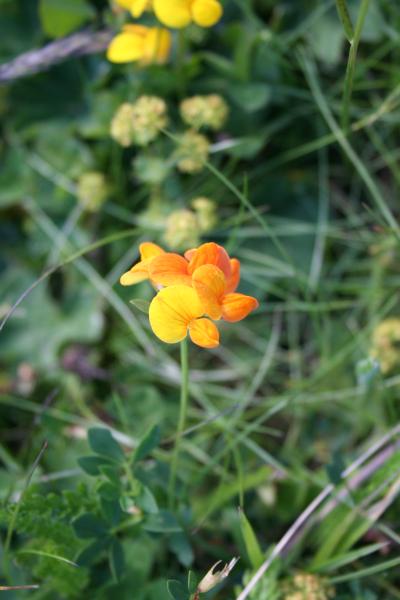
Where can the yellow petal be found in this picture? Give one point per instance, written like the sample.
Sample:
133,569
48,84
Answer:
137,7
140,271
171,312
206,12
157,46
170,269
236,307
209,283
149,250
127,4
204,333
173,13
126,47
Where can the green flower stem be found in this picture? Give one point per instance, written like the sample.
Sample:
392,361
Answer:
182,418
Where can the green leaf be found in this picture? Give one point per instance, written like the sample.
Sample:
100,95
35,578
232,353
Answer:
102,442
336,468
177,590
146,501
116,560
90,554
147,444
254,552
192,582
140,304
162,522
59,17
91,464
250,96
88,526
179,544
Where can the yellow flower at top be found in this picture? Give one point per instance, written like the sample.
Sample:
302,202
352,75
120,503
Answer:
146,45
137,7
196,289
181,13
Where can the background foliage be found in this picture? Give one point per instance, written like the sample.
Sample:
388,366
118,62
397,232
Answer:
292,396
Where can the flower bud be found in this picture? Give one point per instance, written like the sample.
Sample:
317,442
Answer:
385,344
212,578
148,117
204,111
206,213
122,125
304,586
182,230
92,190
192,152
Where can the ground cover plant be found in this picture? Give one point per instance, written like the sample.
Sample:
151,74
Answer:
199,311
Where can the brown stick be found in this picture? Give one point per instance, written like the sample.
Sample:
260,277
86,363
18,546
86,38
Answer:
34,61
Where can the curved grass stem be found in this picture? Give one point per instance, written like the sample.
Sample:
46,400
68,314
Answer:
182,419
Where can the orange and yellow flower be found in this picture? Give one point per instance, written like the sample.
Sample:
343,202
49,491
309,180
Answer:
196,289
146,45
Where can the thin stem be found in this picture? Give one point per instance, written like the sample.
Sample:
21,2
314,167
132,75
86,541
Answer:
351,64
182,417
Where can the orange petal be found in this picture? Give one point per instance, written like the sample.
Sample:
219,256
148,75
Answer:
204,333
150,250
211,254
209,283
236,307
171,312
234,279
190,253
138,273
170,269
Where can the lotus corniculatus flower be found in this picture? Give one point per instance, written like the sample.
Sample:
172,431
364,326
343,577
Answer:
145,45
136,7
181,13
194,290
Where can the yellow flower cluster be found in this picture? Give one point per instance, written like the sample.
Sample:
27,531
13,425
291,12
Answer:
184,227
192,152
92,190
204,111
139,123
304,586
385,344
153,44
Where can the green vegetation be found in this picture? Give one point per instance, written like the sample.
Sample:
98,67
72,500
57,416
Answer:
273,133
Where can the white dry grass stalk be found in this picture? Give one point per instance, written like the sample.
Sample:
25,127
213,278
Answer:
303,518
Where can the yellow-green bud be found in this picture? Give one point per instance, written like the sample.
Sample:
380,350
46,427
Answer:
304,586
149,116
192,152
122,125
385,344
92,190
204,111
206,211
182,230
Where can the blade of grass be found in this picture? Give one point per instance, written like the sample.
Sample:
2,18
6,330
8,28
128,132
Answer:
343,12
351,64
310,74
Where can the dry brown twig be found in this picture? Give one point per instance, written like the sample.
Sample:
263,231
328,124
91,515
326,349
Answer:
34,61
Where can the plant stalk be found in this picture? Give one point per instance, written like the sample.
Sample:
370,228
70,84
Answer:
182,418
